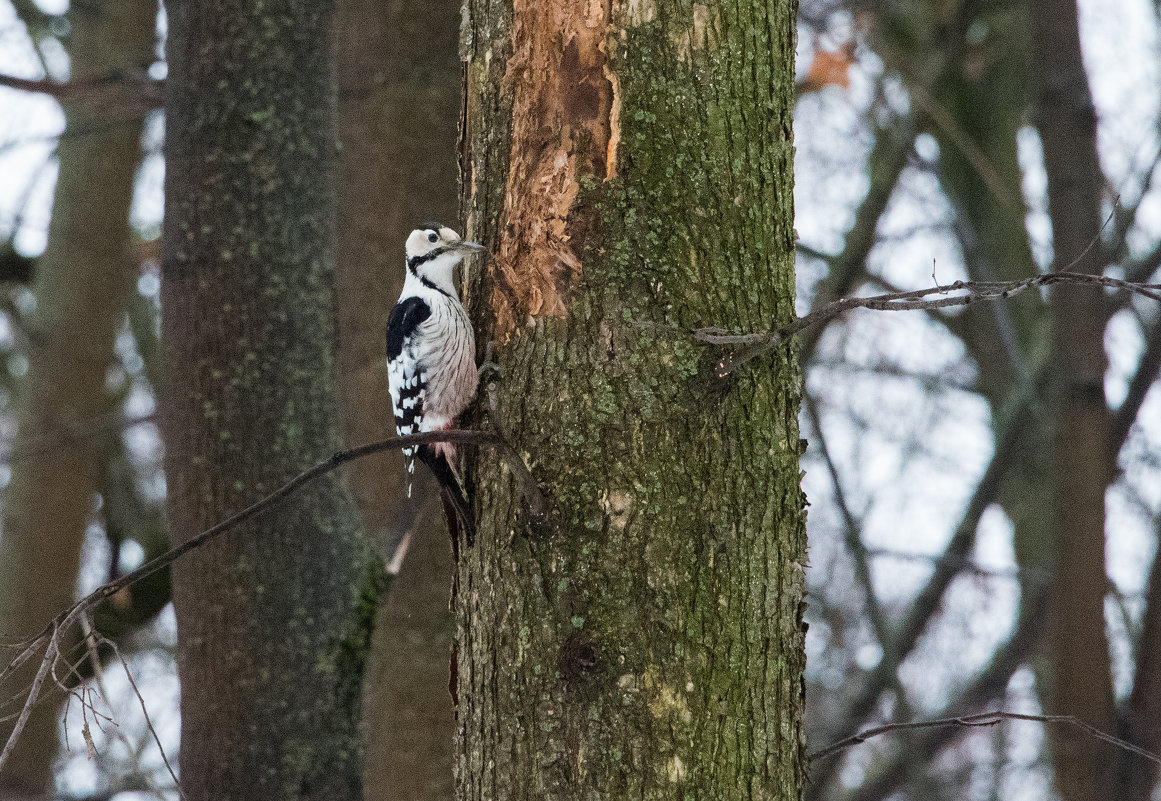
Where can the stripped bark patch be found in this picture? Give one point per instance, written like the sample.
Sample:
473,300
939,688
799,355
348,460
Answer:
564,110
700,33
639,12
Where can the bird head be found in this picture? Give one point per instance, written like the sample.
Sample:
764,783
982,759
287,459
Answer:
433,251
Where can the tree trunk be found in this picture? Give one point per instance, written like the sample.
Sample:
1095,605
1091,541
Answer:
407,711
83,282
630,168
399,105
1079,648
273,620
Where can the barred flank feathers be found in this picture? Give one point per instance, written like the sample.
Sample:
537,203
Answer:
409,413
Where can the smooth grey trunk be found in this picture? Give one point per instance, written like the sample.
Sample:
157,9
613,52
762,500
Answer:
399,104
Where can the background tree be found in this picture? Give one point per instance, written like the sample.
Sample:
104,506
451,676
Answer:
82,289
1011,200
399,103
273,622
645,637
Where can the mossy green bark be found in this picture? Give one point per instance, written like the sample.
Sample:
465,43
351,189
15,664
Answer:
273,620
644,640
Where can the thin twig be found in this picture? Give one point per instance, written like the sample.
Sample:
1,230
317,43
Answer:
91,652
145,712
969,292
80,610
34,693
978,720
71,668
926,604
65,653
852,528
532,496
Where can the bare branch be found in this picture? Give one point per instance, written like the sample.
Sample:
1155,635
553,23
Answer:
885,164
532,494
78,611
45,86
145,713
1148,369
34,693
979,720
852,533
149,89
71,669
962,293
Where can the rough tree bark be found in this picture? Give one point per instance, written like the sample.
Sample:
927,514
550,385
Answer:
1081,679
399,105
273,620
83,283
630,167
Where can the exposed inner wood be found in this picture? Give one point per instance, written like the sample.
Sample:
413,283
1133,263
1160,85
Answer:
563,116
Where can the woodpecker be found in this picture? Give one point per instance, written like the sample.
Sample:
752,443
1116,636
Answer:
431,353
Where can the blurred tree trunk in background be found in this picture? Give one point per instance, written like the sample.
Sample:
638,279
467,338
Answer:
399,103
407,707
274,619
631,171
1081,681
83,284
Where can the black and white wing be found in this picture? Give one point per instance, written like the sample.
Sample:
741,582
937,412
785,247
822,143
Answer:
406,376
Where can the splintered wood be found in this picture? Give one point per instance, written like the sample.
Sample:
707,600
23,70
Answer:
564,110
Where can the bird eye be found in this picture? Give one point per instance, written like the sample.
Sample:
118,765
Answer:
432,236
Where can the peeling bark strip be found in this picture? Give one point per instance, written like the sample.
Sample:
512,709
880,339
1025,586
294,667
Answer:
563,127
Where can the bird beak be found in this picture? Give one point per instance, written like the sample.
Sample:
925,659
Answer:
470,247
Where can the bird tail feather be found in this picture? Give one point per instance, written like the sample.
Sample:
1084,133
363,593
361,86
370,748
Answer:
455,502
409,455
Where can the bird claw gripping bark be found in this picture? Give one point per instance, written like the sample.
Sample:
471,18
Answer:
489,366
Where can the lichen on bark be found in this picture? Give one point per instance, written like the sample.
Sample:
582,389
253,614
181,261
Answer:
272,620
645,639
